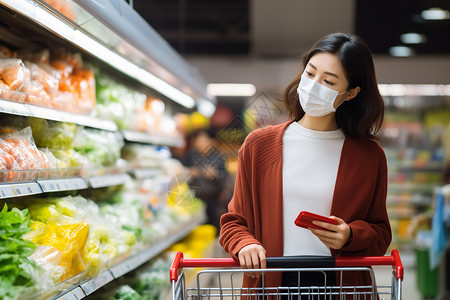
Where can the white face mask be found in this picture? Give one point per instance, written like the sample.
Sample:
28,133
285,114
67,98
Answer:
316,100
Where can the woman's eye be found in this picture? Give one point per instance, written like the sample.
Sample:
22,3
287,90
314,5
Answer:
309,74
328,82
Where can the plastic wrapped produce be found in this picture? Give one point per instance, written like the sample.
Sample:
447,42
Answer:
69,240
8,167
101,148
40,75
52,135
14,73
21,146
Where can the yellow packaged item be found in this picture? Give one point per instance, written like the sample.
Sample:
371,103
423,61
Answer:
69,239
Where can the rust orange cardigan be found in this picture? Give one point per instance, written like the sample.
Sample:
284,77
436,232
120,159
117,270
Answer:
255,213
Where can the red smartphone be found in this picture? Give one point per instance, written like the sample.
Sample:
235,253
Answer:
305,219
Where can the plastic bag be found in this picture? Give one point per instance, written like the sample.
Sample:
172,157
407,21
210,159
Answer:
48,258
40,75
21,146
69,239
14,73
8,167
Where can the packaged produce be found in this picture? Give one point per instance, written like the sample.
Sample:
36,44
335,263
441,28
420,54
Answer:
20,145
18,274
14,73
8,167
116,102
101,148
38,74
52,135
83,87
69,240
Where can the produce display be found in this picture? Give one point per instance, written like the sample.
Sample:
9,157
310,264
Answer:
56,79
20,159
101,148
72,236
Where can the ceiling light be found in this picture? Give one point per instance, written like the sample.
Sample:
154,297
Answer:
413,38
435,13
414,89
79,38
231,89
401,51
206,108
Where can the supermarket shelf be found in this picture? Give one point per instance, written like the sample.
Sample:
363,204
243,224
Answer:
29,110
145,173
411,167
108,180
64,184
132,263
411,187
142,137
20,189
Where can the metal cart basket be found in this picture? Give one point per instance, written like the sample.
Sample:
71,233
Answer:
226,278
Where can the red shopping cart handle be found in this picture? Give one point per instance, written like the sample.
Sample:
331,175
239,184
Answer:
291,262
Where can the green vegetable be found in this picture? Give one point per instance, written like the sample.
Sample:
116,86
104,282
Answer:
52,135
16,270
125,292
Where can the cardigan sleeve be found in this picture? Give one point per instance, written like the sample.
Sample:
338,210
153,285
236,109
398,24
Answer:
237,223
372,236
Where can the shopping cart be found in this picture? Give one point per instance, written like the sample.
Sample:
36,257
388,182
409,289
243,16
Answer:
227,278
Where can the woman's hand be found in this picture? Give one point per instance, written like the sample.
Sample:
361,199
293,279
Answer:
252,256
334,236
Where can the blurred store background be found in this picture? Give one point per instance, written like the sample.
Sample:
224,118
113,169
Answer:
115,93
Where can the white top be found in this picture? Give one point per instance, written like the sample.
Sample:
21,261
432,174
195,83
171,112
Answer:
310,164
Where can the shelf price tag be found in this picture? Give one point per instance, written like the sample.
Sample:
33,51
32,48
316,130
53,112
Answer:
6,191
146,173
75,294
108,180
19,189
65,184
100,280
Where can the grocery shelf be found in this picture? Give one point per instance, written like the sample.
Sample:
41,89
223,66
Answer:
74,294
63,184
132,263
108,180
142,137
20,189
10,190
145,173
94,284
29,110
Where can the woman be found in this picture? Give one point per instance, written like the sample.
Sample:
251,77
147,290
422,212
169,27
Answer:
325,161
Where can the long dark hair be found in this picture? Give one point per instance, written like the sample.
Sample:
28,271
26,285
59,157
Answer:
362,116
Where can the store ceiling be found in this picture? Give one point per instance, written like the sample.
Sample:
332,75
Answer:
286,28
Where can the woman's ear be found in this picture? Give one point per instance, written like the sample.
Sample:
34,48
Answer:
352,93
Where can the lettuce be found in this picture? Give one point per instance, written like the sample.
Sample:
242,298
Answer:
16,270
